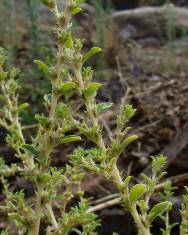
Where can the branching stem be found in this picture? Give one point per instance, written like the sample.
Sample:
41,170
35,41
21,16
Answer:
115,173
52,216
38,210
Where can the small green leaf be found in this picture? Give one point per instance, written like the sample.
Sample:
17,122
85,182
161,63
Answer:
42,66
125,114
2,98
158,210
128,140
29,148
44,178
44,121
3,75
23,106
66,39
62,111
3,57
91,132
143,206
136,192
118,148
76,10
14,72
67,86
87,73
69,41
92,89
17,218
103,106
127,181
90,53
4,232
69,139
158,163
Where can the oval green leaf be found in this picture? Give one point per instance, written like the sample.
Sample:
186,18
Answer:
67,86
29,148
158,210
42,66
136,192
69,139
92,89
103,106
90,53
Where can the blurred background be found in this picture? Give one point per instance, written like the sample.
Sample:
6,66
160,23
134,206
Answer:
144,63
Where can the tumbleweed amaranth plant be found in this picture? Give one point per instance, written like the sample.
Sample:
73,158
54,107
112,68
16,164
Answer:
55,187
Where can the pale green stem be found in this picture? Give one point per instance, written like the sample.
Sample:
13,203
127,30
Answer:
167,223
115,174
38,211
90,109
58,66
183,225
138,221
47,148
52,217
14,119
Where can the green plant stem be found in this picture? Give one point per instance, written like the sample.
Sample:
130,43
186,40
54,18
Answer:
182,230
100,142
137,219
52,216
12,104
184,223
58,66
89,108
30,161
38,210
167,223
56,82
115,173
47,148
116,177
144,215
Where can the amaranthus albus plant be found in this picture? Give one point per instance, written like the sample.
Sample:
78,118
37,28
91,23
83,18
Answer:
55,187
